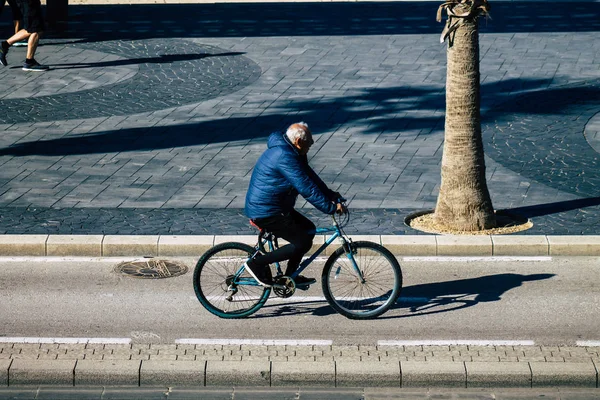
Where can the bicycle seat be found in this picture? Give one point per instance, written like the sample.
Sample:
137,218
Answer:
264,234
252,223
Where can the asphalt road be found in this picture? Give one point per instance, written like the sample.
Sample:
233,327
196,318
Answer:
550,301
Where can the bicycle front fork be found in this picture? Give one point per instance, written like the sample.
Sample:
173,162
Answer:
350,251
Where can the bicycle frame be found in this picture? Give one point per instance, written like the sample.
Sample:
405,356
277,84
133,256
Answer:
337,233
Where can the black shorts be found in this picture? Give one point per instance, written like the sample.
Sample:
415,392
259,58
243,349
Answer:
33,21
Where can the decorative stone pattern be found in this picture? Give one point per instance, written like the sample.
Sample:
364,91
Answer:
151,122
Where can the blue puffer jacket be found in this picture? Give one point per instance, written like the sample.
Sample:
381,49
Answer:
280,174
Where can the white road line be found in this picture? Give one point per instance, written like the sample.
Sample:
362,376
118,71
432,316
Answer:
455,343
35,340
70,259
588,343
476,259
256,342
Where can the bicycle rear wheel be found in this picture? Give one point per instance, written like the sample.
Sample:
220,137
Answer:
351,297
214,282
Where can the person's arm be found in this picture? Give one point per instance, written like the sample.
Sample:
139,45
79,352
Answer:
302,178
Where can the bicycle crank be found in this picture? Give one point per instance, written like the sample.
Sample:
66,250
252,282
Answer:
284,286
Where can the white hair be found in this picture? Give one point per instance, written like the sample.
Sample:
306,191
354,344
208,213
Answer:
298,130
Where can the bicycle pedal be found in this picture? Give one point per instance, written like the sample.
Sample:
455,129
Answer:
303,287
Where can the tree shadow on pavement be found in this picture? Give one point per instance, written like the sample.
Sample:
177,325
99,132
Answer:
424,299
372,111
539,210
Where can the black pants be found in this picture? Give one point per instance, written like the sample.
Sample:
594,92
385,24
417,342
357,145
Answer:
294,227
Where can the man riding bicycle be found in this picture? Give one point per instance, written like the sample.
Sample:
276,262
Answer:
280,174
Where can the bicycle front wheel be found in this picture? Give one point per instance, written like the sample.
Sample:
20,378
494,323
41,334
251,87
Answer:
217,287
365,298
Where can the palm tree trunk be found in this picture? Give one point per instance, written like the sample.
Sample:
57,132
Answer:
464,203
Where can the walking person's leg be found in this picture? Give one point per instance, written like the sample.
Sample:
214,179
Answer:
32,44
34,24
20,34
17,21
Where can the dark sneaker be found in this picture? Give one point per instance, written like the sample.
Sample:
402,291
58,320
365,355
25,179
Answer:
22,43
304,281
3,56
261,274
35,66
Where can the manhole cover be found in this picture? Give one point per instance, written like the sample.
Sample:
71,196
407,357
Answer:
151,269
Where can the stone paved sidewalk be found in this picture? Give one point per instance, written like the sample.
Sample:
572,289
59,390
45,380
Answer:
295,353
152,116
283,365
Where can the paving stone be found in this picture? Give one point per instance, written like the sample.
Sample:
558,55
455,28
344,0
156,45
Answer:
130,246
23,245
234,373
307,374
367,374
46,372
184,245
65,393
189,357
4,366
162,357
498,374
74,245
20,393
520,245
24,356
563,374
111,373
463,245
338,394
561,245
410,245
134,393
172,373
265,394
433,374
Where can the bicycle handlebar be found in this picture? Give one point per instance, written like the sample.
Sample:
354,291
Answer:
344,217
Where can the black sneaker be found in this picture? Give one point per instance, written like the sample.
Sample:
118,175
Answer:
3,53
304,281
261,274
35,66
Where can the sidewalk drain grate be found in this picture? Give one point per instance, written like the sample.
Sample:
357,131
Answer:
151,269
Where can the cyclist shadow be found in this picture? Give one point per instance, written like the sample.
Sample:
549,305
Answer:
438,297
424,299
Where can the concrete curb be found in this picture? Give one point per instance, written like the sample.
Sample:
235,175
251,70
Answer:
410,374
91,364
194,246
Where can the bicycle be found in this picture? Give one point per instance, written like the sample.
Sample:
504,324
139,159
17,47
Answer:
360,280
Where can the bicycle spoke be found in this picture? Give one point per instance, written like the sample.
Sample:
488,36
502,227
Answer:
215,286
371,296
